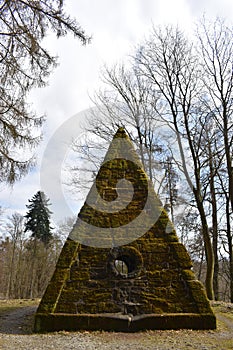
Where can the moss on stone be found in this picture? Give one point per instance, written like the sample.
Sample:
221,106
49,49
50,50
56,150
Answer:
181,255
159,289
188,275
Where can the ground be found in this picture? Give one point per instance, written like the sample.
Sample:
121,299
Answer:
16,321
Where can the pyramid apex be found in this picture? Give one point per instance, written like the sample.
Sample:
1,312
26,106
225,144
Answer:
120,133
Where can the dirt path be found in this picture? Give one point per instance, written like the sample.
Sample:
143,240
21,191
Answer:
18,321
16,334
227,321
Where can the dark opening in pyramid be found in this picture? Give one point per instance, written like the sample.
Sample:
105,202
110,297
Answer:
122,267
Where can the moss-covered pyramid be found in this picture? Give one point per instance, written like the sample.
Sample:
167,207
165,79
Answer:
122,267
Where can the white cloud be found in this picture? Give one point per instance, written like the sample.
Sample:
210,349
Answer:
212,8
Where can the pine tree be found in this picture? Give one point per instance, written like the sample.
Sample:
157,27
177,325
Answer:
38,218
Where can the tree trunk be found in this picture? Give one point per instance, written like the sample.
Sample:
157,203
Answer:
205,230
228,153
31,290
214,224
216,266
231,275
230,246
9,286
201,264
208,251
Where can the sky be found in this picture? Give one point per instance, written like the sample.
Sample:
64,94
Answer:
116,27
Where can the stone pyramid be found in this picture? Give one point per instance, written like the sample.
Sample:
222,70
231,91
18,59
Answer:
122,267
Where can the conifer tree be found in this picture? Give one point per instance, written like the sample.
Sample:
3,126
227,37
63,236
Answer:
26,63
38,218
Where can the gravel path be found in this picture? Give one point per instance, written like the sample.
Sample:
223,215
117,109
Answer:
16,334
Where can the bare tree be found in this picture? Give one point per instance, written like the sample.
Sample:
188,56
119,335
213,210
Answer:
64,227
25,271
168,61
217,53
15,228
216,48
125,101
170,187
168,87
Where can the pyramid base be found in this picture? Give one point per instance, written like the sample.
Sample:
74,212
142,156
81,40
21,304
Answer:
122,323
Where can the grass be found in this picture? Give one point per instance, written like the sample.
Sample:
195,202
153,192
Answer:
13,304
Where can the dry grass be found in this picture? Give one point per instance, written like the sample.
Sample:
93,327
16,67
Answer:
219,339
12,304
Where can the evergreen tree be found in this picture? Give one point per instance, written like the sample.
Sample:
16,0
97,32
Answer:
25,63
38,218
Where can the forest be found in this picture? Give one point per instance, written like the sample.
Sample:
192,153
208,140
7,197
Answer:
29,249
173,96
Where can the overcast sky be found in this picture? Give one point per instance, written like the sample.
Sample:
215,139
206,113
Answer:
116,28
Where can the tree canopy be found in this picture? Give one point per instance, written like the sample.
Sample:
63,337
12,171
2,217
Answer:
25,63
